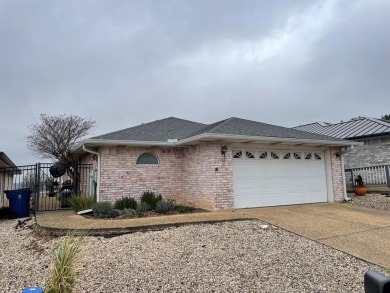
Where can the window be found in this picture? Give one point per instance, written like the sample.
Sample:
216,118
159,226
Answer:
263,155
249,155
317,156
147,159
274,156
287,156
238,155
297,156
308,156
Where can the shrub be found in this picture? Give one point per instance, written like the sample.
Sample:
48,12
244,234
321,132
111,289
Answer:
104,210
165,206
125,203
62,273
150,198
183,209
143,207
80,203
128,213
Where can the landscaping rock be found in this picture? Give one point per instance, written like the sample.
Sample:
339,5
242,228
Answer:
237,256
371,200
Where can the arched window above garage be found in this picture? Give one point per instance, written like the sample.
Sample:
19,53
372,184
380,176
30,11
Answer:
147,159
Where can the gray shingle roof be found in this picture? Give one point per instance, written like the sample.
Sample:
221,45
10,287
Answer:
361,127
174,128
238,126
159,130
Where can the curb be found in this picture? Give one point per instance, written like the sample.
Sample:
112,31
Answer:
57,232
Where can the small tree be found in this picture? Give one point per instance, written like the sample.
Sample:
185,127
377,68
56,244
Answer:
386,117
54,136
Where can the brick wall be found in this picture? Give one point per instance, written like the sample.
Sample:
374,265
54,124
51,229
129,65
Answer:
207,178
121,176
187,175
338,191
368,155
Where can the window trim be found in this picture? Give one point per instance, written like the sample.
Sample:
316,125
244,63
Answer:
149,164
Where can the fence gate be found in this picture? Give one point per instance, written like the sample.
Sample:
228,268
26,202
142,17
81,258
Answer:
47,193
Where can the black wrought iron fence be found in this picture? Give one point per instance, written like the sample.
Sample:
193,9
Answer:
372,175
47,192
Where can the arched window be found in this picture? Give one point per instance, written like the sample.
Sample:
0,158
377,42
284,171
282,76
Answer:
147,158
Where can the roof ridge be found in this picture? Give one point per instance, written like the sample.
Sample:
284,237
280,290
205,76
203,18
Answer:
384,123
142,124
221,123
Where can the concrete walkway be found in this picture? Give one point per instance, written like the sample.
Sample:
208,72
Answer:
359,231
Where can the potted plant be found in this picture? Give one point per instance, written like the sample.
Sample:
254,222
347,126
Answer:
360,189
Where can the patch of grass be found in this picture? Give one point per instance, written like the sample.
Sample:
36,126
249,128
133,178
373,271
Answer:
80,203
62,273
125,203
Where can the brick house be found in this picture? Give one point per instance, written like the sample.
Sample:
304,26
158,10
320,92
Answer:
373,133
233,163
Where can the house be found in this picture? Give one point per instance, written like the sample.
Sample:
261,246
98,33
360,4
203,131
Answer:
374,133
6,175
233,163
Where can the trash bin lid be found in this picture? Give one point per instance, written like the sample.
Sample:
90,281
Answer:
33,290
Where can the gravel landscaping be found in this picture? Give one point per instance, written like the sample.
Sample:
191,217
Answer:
374,200
236,256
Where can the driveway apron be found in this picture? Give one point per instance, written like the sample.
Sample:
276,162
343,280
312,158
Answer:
359,231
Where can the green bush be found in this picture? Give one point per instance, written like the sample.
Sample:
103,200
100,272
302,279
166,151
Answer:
125,203
143,207
165,206
80,203
150,198
128,213
104,210
183,209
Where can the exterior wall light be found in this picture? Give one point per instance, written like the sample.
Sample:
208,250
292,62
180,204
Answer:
224,150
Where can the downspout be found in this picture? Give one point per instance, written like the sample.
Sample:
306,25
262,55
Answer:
98,171
346,198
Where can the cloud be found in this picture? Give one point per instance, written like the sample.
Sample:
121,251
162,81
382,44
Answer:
127,62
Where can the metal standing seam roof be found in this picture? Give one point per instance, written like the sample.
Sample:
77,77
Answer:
355,128
175,128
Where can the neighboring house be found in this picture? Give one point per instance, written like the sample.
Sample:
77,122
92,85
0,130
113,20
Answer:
234,163
374,133
6,175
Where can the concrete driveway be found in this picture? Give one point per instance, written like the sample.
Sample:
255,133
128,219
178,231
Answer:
359,231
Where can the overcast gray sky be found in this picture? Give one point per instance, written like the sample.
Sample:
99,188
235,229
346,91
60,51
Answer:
123,63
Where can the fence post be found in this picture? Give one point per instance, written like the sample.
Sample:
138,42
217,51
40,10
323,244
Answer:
37,186
387,175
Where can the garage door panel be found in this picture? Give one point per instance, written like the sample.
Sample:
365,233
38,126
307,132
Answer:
278,182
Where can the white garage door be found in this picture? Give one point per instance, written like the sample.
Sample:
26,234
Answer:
271,178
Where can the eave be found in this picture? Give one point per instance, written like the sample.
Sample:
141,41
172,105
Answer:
208,137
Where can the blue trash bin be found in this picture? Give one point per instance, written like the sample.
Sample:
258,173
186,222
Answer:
19,201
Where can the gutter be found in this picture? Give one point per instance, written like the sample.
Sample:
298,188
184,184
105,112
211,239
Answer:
98,171
174,142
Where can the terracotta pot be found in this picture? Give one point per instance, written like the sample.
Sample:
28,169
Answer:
360,190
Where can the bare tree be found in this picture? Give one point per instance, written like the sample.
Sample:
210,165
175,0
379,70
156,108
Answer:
54,136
